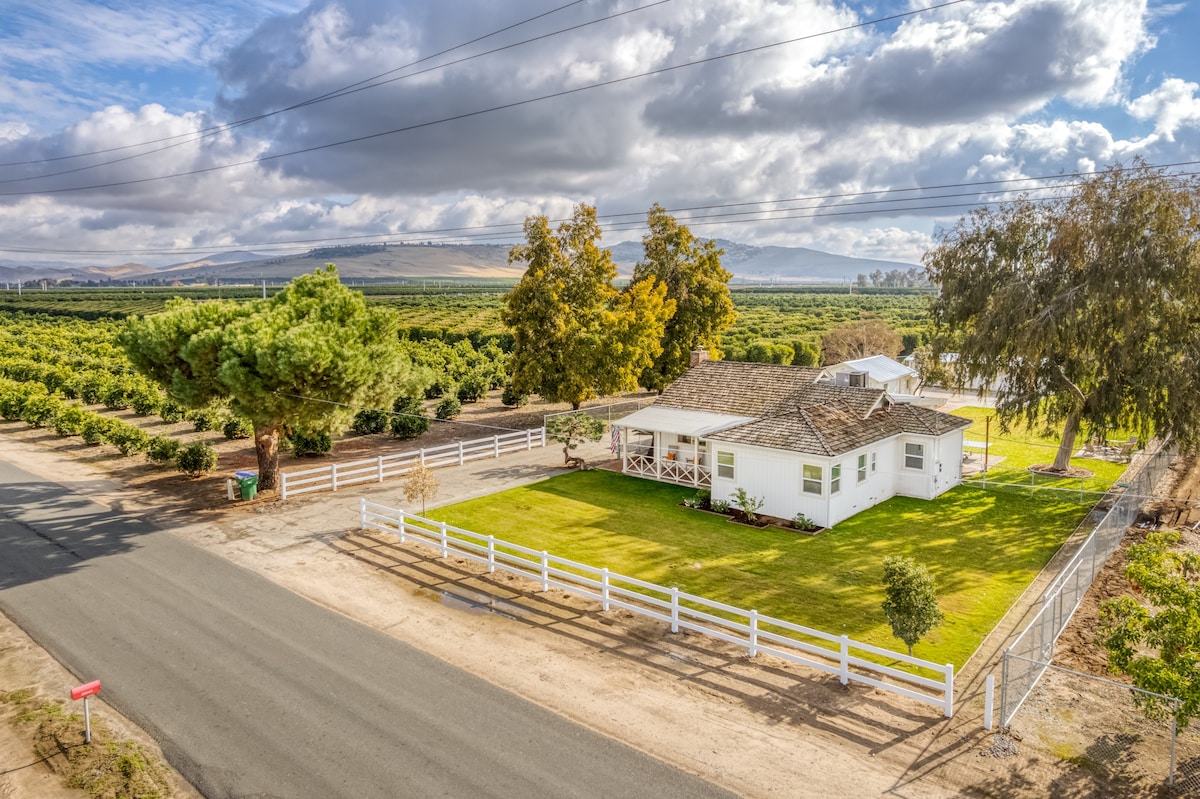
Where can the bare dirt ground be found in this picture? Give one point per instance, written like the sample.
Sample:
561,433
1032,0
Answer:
760,727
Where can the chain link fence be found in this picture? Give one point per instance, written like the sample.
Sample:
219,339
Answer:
1098,725
1064,717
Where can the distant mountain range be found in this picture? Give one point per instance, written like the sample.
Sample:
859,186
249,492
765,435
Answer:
382,262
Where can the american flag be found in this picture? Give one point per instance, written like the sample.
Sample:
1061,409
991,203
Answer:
614,442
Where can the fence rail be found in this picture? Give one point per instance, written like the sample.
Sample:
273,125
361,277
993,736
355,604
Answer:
378,469
928,682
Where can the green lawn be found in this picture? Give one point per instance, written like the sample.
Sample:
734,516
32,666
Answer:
1022,448
984,546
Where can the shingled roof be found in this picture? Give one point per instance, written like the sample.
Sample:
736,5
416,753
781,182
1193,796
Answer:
836,427
740,389
793,411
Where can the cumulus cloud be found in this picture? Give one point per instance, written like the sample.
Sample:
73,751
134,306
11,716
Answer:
990,90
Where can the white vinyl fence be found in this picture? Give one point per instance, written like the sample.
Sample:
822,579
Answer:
926,682
376,470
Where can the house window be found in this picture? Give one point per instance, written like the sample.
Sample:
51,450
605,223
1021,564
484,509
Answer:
862,468
812,480
914,456
874,461
725,465
686,440
835,479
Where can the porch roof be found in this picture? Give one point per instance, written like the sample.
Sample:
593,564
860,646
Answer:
660,419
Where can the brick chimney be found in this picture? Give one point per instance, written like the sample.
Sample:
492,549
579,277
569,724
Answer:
698,357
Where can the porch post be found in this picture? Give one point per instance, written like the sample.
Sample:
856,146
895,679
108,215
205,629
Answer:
657,456
624,443
696,460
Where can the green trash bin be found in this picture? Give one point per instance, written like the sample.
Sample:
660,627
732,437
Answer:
247,484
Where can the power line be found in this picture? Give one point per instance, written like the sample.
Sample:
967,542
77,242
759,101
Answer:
301,104
492,109
336,93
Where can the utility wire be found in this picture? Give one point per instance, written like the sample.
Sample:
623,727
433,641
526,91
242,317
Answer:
343,92
310,101
492,109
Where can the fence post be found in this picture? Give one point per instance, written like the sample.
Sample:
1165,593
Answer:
491,553
282,486
496,445
400,524
844,671
445,548
1174,734
753,633
604,588
1004,688
528,440
362,514
379,467
989,695
543,436
333,474
421,455
460,453
949,683
545,570
674,609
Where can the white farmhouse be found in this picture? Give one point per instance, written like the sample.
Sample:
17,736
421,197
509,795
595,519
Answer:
800,442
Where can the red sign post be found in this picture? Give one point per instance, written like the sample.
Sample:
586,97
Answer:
83,692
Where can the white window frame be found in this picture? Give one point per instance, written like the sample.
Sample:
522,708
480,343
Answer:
862,468
835,478
807,483
917,457
685,439
874,462
723,467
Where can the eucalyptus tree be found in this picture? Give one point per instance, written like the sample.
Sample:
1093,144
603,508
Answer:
1081,310
692,272
306,358
575,335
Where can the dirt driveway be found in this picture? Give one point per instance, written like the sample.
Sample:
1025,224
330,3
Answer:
759,727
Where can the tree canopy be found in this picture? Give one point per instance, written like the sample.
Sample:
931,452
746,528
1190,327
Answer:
1158,646
1083,309
306,358
860,339
575,336
699,285
910,599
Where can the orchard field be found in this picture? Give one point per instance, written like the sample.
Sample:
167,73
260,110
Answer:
455,311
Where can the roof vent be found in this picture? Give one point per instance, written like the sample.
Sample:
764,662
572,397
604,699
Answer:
856,379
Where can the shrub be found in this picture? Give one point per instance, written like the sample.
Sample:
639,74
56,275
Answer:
441,385
802,522
171,412
92,386
448,408
749,505
512,398
145,400
305,443
371,420
409,419
719,505
128,438
203,419
236,427
116,395
69,420
163,449
12,401
196,459
96,428
473,388
701,499
40,409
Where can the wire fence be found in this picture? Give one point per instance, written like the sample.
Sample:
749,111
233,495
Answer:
606,413
1030,656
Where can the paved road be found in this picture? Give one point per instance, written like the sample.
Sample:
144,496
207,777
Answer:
253,691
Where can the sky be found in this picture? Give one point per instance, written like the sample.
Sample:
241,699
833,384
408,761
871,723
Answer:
158,132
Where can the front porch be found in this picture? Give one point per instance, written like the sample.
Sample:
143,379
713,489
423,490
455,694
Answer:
668,469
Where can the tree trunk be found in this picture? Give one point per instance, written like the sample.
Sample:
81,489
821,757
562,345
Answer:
1062,461
266,447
